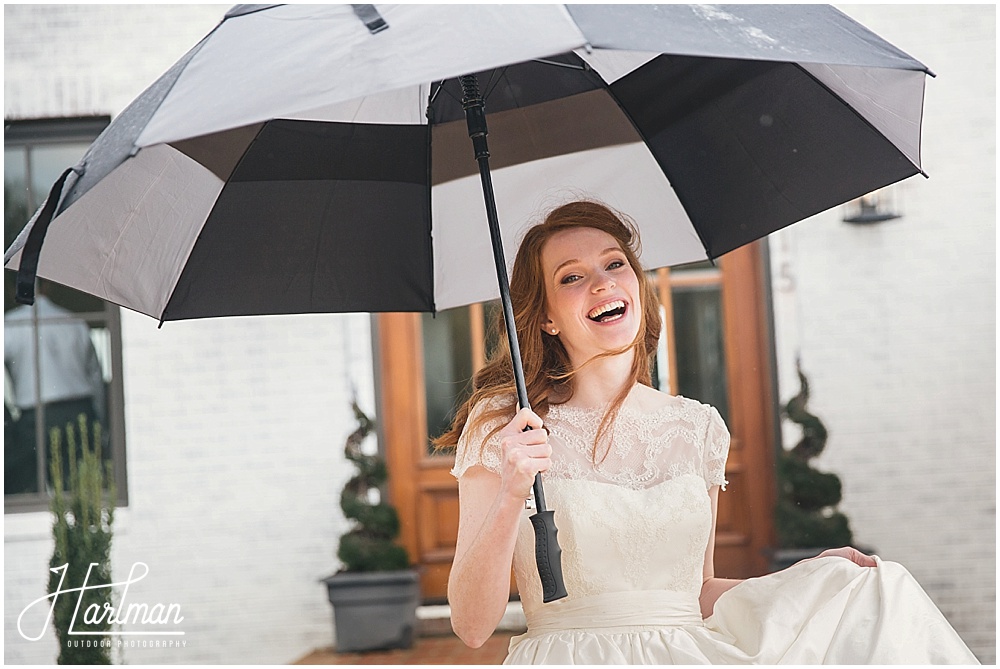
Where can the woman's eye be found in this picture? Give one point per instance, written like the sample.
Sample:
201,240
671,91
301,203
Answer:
570,278
615,264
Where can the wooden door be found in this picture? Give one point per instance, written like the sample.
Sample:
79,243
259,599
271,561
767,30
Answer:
716,315
420,485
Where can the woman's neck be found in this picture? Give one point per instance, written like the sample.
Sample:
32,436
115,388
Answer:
598,383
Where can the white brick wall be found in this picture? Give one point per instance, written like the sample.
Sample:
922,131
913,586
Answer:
78,59
235,464
235,427
896,326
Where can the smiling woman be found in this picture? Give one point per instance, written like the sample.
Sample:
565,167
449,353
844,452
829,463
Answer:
634,475
582,257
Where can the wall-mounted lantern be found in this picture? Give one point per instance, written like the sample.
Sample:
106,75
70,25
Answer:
874,207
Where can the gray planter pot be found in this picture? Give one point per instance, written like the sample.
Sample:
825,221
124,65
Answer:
374,610
786,557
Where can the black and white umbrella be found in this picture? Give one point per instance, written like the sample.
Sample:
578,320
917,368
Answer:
312,158
293,161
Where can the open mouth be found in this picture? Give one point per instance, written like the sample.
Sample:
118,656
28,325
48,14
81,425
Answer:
606,313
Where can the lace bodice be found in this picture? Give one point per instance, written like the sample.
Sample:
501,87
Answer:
637,520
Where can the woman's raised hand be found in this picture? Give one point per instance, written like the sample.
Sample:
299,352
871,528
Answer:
523,453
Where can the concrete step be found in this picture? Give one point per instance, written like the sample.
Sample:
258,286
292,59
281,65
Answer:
436,620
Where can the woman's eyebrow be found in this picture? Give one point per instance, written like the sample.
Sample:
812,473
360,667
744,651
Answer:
568,262
610,249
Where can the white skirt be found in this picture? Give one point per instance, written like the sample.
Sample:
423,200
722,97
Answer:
823,611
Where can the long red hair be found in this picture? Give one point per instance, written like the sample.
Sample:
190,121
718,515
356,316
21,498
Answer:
548,373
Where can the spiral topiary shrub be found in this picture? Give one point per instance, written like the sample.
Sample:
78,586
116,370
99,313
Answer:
375,595
806,515
370,546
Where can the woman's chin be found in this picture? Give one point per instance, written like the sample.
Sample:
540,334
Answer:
614,336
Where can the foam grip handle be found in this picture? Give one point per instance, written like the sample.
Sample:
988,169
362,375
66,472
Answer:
548,555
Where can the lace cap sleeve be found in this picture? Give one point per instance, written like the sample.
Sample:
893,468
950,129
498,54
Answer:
473,447
716,450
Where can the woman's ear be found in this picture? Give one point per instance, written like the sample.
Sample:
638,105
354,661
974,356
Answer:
548,327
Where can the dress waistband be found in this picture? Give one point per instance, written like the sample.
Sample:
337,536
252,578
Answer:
641,608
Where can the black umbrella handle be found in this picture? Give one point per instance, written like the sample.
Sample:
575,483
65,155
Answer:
548,554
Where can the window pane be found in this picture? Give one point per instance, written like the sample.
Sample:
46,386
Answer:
15,209
15,194
48,161
701,363
65,380
58,353
447,365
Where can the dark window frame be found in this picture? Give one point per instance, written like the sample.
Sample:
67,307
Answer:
54,131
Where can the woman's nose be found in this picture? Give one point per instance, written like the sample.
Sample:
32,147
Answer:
602,282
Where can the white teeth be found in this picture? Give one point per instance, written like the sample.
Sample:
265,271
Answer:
603,309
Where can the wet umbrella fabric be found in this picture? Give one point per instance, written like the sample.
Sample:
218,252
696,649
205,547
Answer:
298,161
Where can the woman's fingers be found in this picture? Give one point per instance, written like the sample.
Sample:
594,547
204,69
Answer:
526,457
852,554
525,453
529,438
864,560
524,418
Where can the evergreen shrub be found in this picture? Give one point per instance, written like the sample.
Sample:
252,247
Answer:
83,512
370,546
806,515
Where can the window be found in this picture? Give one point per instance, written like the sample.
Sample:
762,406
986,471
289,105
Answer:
62,356
692,360
456,344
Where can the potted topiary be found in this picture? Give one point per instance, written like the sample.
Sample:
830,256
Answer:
806,516
375,595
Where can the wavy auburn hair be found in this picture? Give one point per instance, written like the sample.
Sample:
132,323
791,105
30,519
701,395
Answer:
548,373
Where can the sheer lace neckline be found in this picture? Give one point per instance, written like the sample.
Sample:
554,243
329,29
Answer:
628,406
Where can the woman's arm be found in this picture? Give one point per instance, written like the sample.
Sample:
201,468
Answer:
711,587
490,509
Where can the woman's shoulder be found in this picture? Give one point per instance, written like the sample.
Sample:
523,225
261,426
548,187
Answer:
494,408
494,402
647,399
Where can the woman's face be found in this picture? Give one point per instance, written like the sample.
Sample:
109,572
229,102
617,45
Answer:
592,293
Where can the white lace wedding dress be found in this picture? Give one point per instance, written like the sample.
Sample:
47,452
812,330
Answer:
633,531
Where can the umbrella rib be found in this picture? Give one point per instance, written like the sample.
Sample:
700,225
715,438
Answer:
491,84
501,76
434,95
557,64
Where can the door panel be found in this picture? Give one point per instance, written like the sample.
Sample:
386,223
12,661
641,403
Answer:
420,483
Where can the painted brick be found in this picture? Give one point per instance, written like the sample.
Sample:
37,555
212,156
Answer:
896,327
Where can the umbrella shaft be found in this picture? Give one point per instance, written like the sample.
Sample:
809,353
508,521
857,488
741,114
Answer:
508,308
475,116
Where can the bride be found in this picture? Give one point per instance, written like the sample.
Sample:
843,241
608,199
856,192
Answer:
634,476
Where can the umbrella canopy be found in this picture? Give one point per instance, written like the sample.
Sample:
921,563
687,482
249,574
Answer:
310,158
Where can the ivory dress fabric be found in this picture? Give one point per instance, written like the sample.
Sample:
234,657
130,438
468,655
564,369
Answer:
633,531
